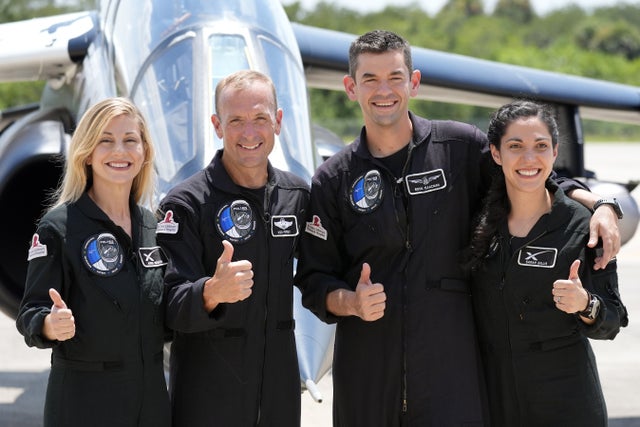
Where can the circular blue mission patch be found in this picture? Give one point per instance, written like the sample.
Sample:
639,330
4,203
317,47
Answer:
103,255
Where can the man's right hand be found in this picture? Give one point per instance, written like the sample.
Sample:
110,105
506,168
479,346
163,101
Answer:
231,282
370,299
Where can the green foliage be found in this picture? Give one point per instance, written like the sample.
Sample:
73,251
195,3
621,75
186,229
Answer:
519,11
465,8
21,93
616,38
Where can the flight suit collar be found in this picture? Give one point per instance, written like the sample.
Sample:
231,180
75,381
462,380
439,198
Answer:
89,208
421,133
561,210
219,178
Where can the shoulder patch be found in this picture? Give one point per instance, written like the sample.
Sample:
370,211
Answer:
168,224
316,229
37,249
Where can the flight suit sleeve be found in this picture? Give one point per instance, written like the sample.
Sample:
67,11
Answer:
185,274
604,285
321,264
45,271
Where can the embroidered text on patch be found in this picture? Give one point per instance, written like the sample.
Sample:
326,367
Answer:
152,257
284,226
367,192
103,255
534,256
236,221
167,225
37,249
316,229
426,182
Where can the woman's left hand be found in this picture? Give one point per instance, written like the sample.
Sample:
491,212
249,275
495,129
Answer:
569,295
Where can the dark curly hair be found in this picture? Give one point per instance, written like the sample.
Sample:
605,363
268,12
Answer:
496,206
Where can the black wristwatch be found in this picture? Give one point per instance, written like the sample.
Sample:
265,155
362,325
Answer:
613,203
593,308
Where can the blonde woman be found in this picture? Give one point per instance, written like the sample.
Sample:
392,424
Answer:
94,284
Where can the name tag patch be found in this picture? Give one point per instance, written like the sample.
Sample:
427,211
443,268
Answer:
535,256
284,226
152,257
426,182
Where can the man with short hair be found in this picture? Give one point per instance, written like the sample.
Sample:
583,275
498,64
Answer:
231,233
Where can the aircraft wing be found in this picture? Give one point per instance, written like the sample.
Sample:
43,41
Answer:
461,79
45,48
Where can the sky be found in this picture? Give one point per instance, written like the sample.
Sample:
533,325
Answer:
541,7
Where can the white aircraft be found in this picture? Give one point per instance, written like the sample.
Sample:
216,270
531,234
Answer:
168,57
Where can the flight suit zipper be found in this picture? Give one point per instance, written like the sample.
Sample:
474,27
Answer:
400,183
266,219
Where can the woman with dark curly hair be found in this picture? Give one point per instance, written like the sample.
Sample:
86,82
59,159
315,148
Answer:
536,300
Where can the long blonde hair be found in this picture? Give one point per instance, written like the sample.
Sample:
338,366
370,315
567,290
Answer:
78,175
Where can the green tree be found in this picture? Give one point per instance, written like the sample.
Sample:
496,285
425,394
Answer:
617,38
516,10
556,26
463,8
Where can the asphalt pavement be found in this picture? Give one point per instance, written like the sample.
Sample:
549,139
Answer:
24,371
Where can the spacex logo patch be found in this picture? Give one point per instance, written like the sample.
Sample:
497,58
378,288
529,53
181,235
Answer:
534,256
152,257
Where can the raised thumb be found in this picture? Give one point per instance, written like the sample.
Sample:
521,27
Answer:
365,274
56,298
227,251
573,271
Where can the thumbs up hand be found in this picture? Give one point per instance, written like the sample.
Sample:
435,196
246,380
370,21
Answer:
231,282
569,295
59,324
370,299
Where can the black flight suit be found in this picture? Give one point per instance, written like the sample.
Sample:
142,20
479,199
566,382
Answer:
418,365
235,366
540,368
111,372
